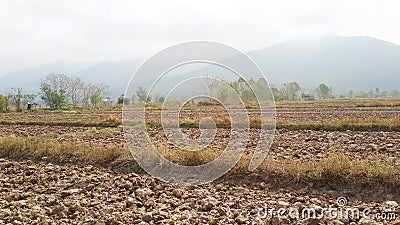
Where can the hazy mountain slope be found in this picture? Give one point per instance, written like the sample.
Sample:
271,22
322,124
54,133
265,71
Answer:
116,74
359,63
342,62
29,79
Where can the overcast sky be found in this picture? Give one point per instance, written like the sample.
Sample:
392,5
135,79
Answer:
42,31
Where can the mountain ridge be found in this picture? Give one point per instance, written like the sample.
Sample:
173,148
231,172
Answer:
354,62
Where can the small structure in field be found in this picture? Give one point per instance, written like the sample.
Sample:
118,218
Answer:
307,97
31,105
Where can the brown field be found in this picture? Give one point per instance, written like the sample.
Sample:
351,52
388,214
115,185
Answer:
74,167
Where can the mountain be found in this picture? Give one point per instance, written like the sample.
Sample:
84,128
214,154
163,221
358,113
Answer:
358,63
115,74
29,79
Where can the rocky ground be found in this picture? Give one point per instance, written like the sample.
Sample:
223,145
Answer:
43,193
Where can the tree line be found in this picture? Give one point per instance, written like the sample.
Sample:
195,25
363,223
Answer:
287,92
293,91
58,91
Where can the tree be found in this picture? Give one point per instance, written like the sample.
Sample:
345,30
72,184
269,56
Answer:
72,85
86,95
377,93
350,94
291,90
278,94
74,89
120,99
96,93
3,103
161,99
57,81
54,98
28,98
219,89
53,90
394,94
323,91
15,97
123,100
261,88
244,89
142,95
93,94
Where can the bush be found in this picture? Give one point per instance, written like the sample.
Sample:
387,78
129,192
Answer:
3,104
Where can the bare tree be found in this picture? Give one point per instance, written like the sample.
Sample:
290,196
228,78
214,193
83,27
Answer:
291,90
74,89
93,94
15,98
56,81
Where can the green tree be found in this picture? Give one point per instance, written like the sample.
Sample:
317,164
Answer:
323,91
15,97
96,94
219,89
3,103
54,98
262,90
161,99
28,98
122,100
278,94
291,90
244,89
142,95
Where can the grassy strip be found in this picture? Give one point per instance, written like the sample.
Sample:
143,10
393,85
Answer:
336,168
36,149
61,123
355,124
339,103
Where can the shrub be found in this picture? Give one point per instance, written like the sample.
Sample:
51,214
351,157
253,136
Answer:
3,104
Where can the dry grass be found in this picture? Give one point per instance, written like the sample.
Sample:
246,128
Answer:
377,103
37,149
188,158
336,168
111,119
339,103
70,123
355,124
